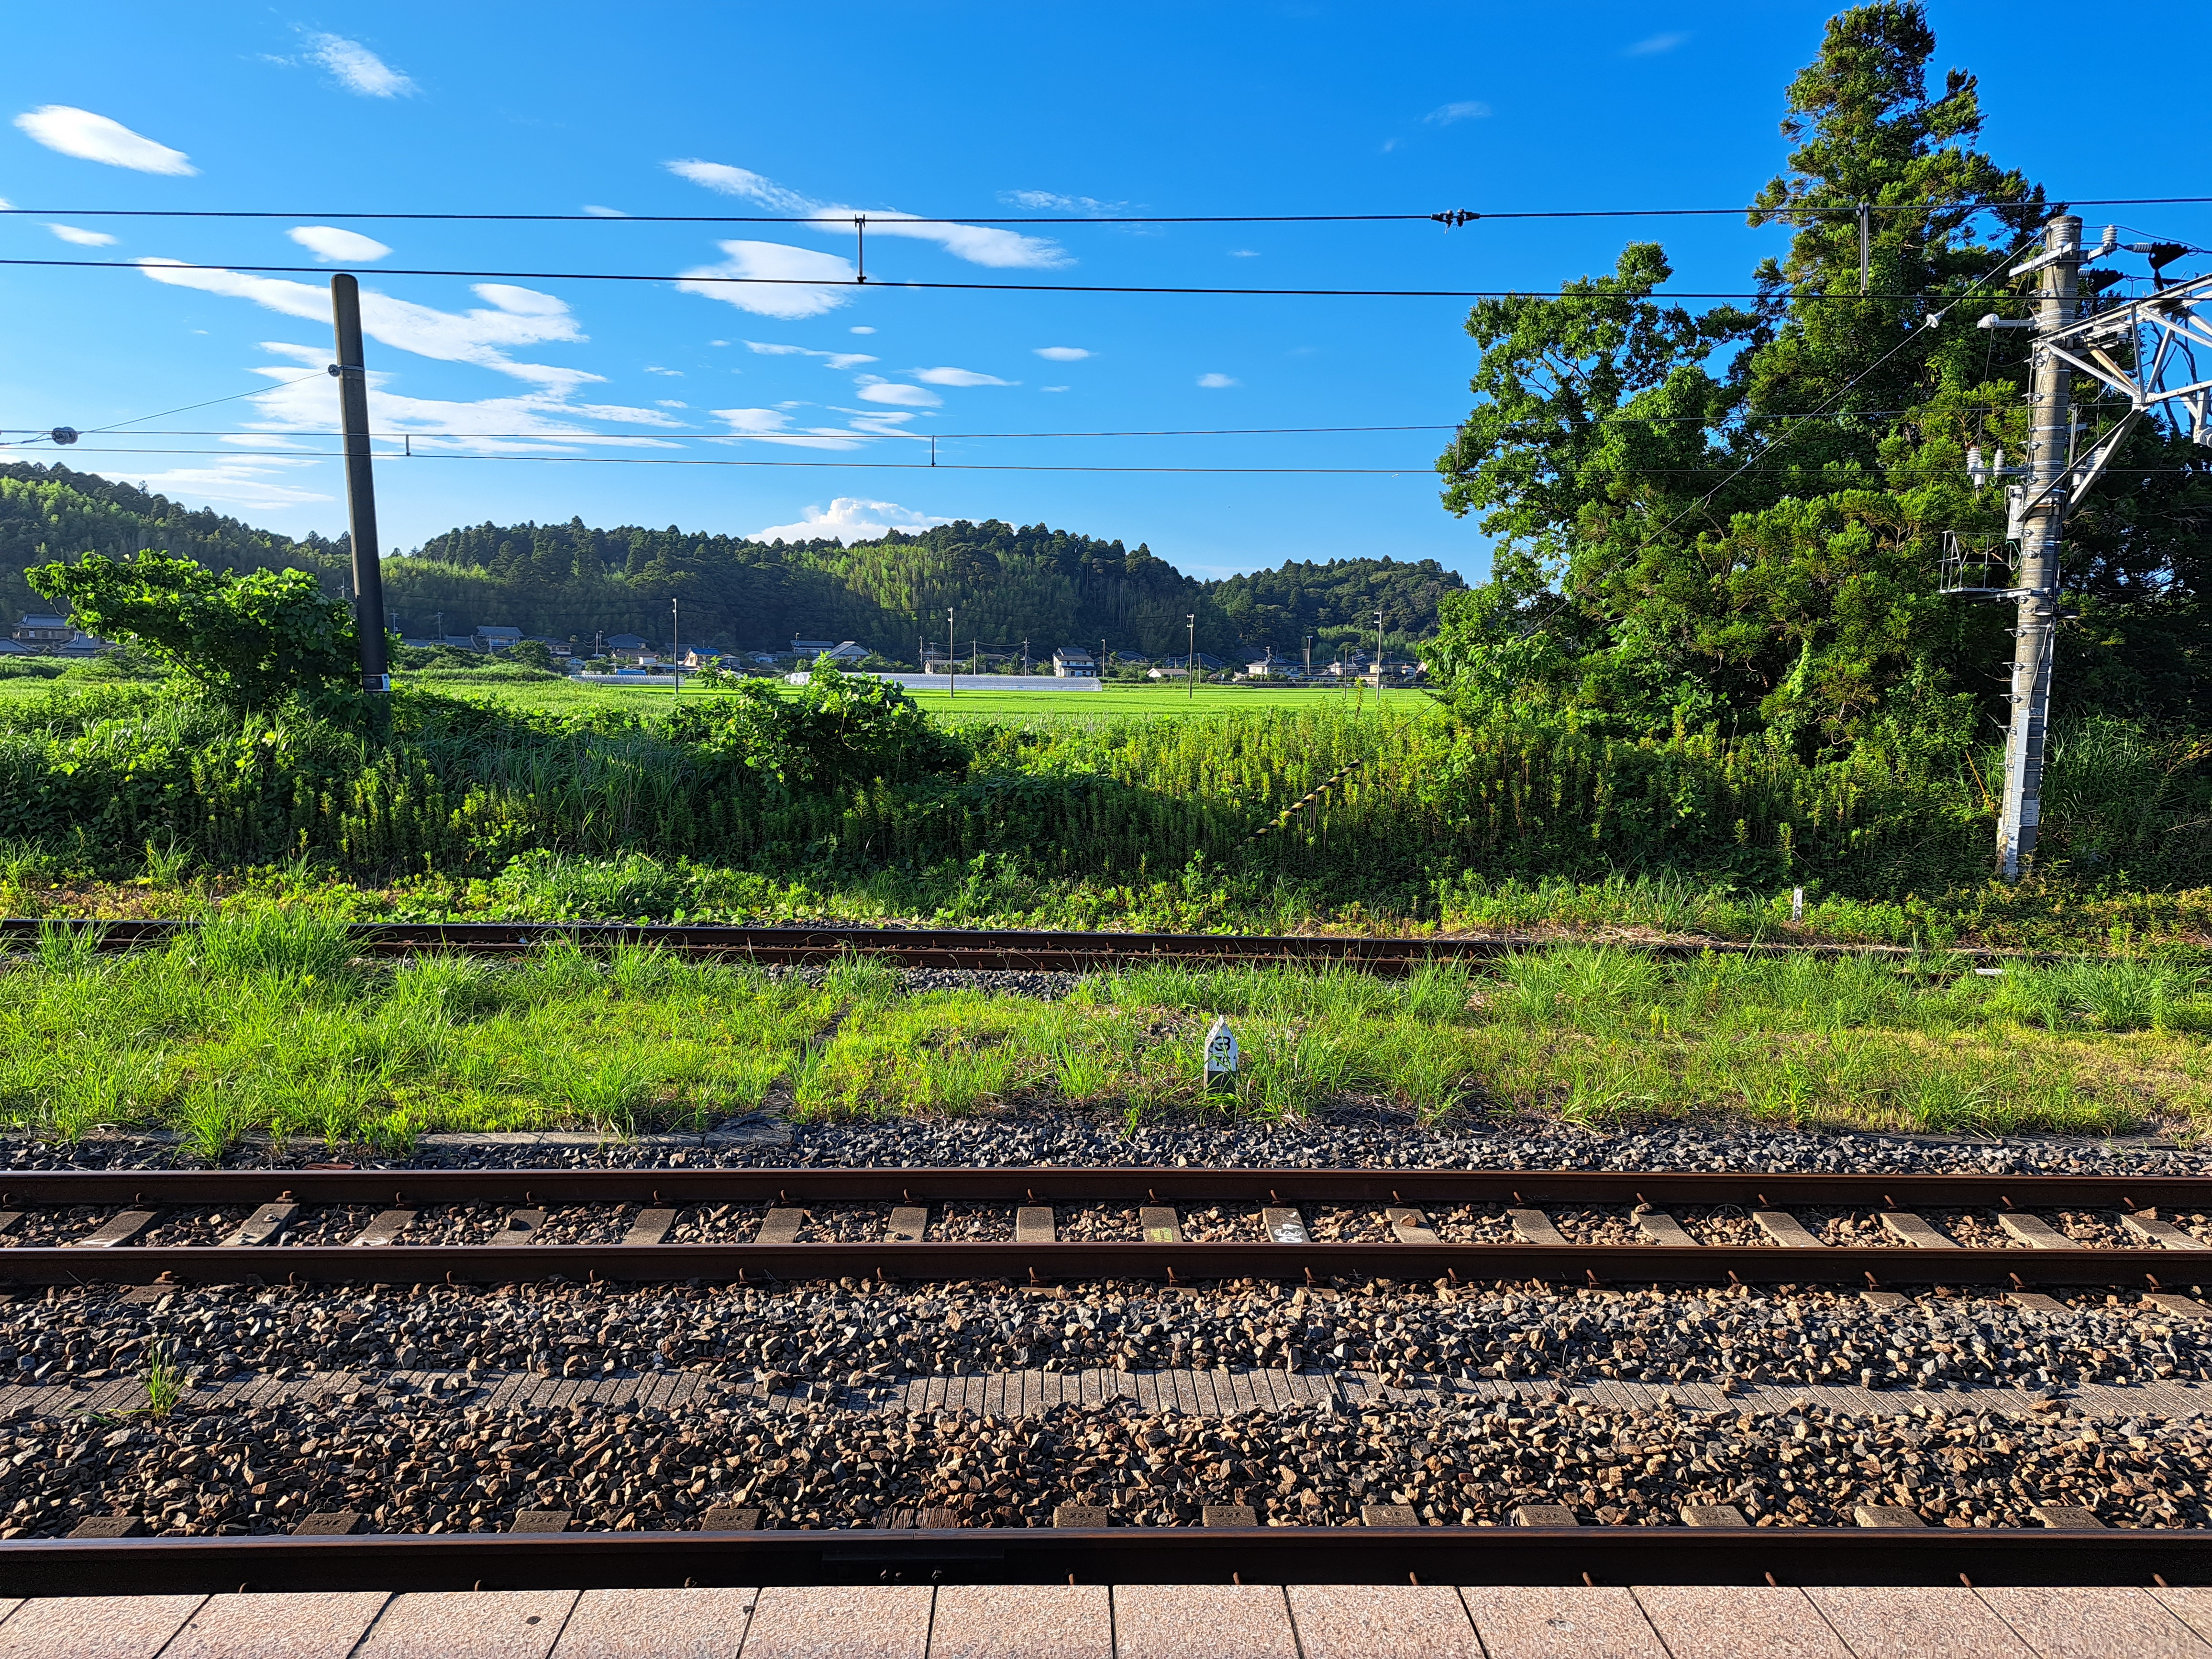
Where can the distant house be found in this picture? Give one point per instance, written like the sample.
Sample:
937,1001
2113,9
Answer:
1267,667
497,639
46,631
84,645
9,648
703,657
627,643
843,651
1174,671
1069,664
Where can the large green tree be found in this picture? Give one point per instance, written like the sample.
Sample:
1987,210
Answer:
1734,519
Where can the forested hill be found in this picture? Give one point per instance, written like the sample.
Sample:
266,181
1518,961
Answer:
1005,585
52,513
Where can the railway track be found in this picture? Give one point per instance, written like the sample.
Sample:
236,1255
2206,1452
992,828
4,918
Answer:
974,949
1026,1555
1048,1225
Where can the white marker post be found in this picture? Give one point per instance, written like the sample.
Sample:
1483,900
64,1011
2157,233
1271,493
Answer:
1221,1056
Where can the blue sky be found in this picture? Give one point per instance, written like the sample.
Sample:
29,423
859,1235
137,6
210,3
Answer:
921,109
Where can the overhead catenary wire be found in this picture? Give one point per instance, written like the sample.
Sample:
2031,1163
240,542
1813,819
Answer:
1770,297
1418,468
1454,217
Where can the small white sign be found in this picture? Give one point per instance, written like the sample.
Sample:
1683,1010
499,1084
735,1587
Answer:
1221,1056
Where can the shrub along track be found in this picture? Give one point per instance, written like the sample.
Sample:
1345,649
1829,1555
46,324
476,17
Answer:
953,947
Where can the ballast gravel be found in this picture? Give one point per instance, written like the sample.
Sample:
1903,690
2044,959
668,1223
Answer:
1348,1138
849,1334
422,1471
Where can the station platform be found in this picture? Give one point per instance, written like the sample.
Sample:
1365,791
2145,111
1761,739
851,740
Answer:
1251,1622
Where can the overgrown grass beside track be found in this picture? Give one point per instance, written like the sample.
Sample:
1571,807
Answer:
1250,818
262,1023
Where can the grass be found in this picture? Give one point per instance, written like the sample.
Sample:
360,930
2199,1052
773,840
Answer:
261,1024
971,700
164,1383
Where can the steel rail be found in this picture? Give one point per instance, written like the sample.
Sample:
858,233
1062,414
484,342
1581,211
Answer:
888,1261
1033,949
1164,1555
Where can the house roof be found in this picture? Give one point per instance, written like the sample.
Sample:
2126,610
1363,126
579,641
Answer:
45,621
626,643
498,633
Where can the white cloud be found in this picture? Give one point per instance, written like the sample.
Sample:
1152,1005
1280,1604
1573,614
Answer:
357,69
862,328
1444,115
670,402
850,519
5,204
521,317
980,244
655,368
876,390
958,377
1044,201
328,242
92,138
83,238
599,212
253,484
772,426
1062,354
774,276
1654,46
544,419
1215,382
1243,252
1052,388
830,359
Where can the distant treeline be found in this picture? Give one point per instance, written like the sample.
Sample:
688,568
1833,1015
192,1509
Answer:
1004,584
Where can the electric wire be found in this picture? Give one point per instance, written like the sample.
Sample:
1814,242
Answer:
1453,217
709,278
1418,468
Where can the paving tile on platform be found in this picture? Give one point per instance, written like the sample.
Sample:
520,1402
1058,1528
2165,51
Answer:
1014,1621
1524,1622
2088,1624
1919,1623
94,1627
1356,1622
1224,1622
656,1623
866,1621
2192,1605
325,1625
480,1624
1701,1621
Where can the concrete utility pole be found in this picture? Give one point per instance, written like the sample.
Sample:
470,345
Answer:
675,649
352,376
951,662
1190,666
2041,525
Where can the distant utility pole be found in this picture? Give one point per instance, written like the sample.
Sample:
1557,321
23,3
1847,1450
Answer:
1308,656
1190,667
675,650
1378,655
1025,659
951,662
1102,662
352,376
